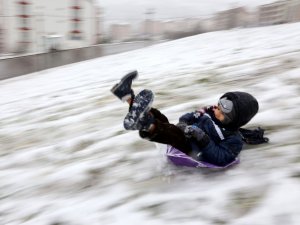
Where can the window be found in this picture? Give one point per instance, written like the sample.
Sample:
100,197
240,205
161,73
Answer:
76,21
24,24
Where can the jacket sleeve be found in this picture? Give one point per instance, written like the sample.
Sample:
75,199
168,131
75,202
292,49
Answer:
188,118
222,153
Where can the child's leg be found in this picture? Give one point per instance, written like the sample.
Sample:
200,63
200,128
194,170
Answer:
167,133
130,101
153,125
158,115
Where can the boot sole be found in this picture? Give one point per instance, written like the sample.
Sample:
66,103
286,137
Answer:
142,103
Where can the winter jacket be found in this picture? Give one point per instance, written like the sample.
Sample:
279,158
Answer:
223,145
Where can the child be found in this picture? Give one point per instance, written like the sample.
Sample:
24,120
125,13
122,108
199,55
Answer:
210,134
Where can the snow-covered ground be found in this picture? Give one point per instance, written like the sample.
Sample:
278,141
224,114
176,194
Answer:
66,159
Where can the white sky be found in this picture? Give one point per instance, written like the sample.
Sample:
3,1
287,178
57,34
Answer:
134,10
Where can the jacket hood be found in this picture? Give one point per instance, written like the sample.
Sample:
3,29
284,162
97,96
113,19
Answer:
245,106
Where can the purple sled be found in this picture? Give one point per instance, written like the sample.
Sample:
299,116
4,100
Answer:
181,159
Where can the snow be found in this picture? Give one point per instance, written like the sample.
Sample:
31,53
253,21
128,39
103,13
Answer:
65,157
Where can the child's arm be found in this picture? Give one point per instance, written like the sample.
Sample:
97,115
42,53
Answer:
189,118
223,152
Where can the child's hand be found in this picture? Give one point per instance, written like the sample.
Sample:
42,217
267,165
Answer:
181,125
195,132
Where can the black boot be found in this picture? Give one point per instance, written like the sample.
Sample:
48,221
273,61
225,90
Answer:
138,114
123,89
145,121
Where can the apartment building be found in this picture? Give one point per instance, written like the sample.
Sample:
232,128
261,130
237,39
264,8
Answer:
182,25
120,32
152,28
1,40
42,25
294,11
273,13
231,18
172,26
208,24
252,18
1,28
283,11
193,24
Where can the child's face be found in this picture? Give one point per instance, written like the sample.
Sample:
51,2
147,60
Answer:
218,113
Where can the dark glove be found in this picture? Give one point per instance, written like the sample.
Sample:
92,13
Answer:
194,132
187,118
181,125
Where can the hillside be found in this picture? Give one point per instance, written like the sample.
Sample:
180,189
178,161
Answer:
66,159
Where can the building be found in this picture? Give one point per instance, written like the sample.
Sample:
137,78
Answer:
231,18
1,40
253,18
208,24
284,11
171,26
183,27
193,24
1,28
294,11
273,13
120,32
42,25
153,29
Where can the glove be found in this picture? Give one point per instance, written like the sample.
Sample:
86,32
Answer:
181,125
192,117
194,132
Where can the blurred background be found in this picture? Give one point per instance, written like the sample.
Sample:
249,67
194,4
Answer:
65,158
38,34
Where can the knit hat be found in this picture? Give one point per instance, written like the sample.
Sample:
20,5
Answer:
239,107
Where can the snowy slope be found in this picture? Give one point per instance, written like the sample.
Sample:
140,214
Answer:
65,158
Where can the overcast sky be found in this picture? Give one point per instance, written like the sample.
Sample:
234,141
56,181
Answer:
134,10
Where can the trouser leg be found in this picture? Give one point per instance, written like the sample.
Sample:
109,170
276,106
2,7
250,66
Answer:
158,115
166,133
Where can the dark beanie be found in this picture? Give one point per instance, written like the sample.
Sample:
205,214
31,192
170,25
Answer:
245,108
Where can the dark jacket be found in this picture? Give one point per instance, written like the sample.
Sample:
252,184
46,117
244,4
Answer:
222,147
223,143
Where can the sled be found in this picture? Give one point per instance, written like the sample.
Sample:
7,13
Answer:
181,159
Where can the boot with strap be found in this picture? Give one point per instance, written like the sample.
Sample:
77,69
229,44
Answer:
123,89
